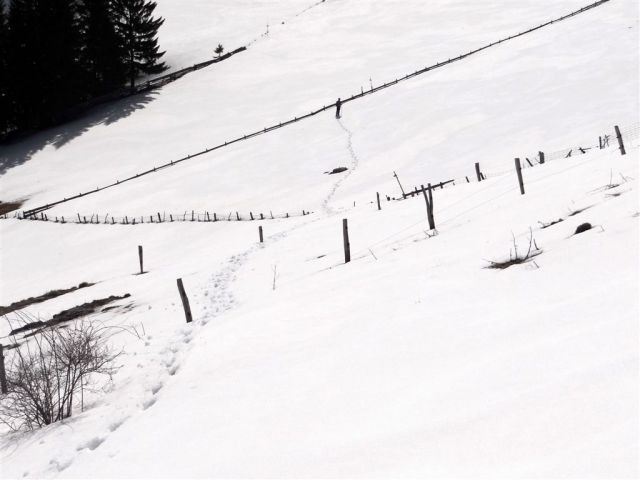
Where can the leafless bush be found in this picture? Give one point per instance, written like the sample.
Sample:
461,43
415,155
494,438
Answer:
515,257
46,374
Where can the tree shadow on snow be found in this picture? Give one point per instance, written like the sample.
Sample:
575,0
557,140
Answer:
19,151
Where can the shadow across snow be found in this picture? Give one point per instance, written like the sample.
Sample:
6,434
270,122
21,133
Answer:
20,150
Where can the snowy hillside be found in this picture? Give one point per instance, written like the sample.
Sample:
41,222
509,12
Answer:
414,359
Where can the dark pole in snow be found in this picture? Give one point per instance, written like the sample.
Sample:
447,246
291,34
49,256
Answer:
141,259
519,172
401,189
345,238
3,374
620,142
185,301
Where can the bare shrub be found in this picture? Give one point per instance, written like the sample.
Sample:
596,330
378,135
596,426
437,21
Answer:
515,257
46,374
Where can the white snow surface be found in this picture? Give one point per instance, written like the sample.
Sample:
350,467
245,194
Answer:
413,360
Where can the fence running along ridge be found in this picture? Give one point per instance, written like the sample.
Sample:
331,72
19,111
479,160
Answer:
164,217
630,135
608,140
372,90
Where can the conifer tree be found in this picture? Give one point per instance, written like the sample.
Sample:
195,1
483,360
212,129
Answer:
102,55
43,72
22,69
60,85
138,30
5,106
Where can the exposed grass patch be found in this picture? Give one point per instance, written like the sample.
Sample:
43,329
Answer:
19,305
6,207
67,315
544,225
573,213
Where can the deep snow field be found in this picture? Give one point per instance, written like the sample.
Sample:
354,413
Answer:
414,360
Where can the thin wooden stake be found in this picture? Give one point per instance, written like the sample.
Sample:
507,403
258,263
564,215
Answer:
541,154
3,373
519,172
378,200
620,142
159,218
345,239
140,256
478,174
260,234
398,180
185,301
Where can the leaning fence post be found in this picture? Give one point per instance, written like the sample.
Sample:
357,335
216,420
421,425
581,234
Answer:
478,174
620,142
519,172
378,199
345,238
3,373
185,301
260,234
140,257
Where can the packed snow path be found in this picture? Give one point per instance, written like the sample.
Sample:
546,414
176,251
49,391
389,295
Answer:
326,207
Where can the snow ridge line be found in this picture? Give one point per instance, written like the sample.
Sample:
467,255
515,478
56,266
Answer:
354,165
28,213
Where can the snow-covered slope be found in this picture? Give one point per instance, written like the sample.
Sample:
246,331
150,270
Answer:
413,360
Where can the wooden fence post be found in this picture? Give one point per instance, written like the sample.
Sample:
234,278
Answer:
185,301
620,142
140,257
260,234
345,238
519,172
478,174
378,199
541,154
3,373
428,198
401,189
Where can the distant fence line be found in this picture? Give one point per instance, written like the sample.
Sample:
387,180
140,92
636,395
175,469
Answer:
608,140
164,217
372,90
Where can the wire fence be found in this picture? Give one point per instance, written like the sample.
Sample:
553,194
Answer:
313,113
631,136
158,217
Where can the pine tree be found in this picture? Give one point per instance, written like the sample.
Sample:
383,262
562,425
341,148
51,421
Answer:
138,30
61,85
22,69
5,106
43,46
102,55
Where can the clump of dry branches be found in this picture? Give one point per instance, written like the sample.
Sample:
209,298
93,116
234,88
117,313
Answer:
515,257
47,373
